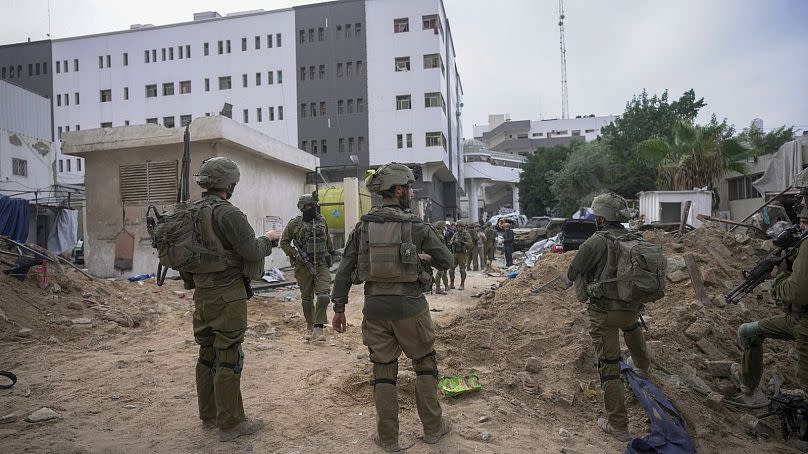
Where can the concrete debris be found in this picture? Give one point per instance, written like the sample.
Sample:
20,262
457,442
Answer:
56,288
564,434
75,305
757,427
42,415
486,436
24,332
9,418
709,349
675,263
692,378
52,340
698,329
714,400
81,321
484,418
678,276
718,368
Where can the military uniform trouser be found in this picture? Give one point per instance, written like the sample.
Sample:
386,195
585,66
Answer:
473,260
220,319
782,327
489,252
319,286
508,251
460,261
386,339
604,328
483,257
442,276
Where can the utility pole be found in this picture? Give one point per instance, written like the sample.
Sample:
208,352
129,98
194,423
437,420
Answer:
565,113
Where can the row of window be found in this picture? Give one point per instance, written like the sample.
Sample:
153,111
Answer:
166,53
76,99
739,188
432,99
259,114
34,69
346,31
61,66
344,106
430,61
65,165
223,46
349,144
432,139
19,167
429,22
343,70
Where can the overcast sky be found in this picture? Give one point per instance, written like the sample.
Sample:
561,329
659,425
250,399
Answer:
747,58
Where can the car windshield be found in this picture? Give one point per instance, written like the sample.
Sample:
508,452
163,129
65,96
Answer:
537,223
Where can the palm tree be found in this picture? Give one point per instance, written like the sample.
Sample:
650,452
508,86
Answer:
697,157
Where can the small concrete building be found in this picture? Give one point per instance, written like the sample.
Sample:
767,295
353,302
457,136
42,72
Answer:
666,206
131,167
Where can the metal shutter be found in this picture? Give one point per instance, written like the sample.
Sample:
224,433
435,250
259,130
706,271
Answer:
148,182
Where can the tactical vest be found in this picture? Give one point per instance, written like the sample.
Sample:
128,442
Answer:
185,239
459,244
311,236
388,259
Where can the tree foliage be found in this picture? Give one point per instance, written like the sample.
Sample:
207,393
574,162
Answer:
761,142
535,197
581,177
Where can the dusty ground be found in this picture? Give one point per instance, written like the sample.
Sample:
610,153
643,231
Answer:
126,383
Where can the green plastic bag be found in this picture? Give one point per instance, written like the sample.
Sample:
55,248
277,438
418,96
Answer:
459,384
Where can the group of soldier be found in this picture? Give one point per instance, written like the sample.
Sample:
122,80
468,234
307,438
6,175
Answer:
392,251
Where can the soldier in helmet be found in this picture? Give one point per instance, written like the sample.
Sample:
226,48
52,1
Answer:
607,317
308,245
391,250
791,289
441,275
460,244
220,304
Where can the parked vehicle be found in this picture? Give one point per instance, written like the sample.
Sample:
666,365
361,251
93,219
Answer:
574,232
536,229
77,254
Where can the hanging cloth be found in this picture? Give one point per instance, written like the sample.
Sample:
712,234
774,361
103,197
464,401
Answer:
64,233
14,214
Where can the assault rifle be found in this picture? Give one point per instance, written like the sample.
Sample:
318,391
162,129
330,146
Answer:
788,244
304,257
793,413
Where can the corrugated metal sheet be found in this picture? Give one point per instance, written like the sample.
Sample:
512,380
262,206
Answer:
24,112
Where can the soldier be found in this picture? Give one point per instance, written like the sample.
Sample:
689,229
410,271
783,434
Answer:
460,245
480,241
790,288
391,250
440,275
490,242
473,259
308,245
607,317
220,304
507,243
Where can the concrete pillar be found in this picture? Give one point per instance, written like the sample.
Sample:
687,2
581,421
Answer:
516,197
474,203
350,187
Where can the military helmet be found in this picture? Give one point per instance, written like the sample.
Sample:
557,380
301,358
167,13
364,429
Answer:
611,207
439,224
804,213
304,200
387,176
218,173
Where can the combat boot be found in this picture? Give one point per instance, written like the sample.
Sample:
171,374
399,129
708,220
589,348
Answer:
318,334
309,330
462,284
438,291
747,396
386,447
451,284
445,428
620,435
242,428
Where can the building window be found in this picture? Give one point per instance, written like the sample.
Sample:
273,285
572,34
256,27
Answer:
589,131
339,69
224,83
257,42
76,98
303,110
357,29
150,182
350,144
106,95
311,72
67,99
125,59
347,30
106,124
320,34
302,34
280,110
126,122
278,39
244,80
67,164
340,107
409,140
58,69
257,79
401,25
350,106
258,115
280,75
44,67
206,49
151,91
271,114
302,73
324,146
402,64
314,147
58,100
227,45
171,53
220,47
341,147
313,109
207,84
430,22
359,67
78,164
168,122
75,64
61,166
151,120
185,87
436,100
60,132
322,108
400,141
740,188
179,52
163,53
311,35
339,31
403,102
348,69
269,41
38,66
304,145
360,105
576,132
19,167
322,72
146,55
168,89
125,93
243,44
187,51
100,61
246,113
435,139
360,144
432,61
185,120
270,79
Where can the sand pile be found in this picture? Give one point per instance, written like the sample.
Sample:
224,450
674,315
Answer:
535,348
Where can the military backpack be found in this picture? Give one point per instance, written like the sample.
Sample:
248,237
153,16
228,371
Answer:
635,270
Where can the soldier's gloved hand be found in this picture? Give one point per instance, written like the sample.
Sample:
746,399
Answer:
272,235
338,322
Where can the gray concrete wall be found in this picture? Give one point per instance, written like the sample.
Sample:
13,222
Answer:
22,55
329,52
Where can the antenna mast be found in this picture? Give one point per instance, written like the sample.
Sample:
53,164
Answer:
564,102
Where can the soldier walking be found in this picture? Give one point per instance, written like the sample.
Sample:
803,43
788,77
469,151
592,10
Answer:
441,275
460,245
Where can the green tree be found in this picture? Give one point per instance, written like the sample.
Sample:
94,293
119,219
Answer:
761,142
535,197
581,177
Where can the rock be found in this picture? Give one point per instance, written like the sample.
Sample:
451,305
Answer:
55,288
692,378
533,365
262,347
484,418
62,321
24,332
802,446
718,368
9,418
678,276
678,247
697,330
81,321
709,349
130,407
714,400
249,332
75,305
486,436
740,238
756,426
675,263
43,414
86,294
564,434
53,340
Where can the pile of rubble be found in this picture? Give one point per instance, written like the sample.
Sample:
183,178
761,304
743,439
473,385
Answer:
528,340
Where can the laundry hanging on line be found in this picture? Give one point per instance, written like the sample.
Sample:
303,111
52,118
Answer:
14,215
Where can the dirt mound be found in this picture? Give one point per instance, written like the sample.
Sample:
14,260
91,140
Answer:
512,326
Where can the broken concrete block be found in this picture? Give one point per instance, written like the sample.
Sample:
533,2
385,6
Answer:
714,400
691,377
678,276
709,349
697,330
24,332
41,415
756,426
718,368
675,263
741,238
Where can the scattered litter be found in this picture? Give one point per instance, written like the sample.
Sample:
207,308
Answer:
459,384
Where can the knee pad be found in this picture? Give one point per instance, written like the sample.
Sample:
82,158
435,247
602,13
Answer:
631,327
307,303
385,373
323,300
749,335
230,358
206,356
426,365
608,369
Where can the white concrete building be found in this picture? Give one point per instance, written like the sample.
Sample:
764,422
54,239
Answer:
358,83
524,136
491,180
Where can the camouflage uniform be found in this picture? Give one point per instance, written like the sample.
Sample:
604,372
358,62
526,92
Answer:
473,256
441,275
490,242
460,244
